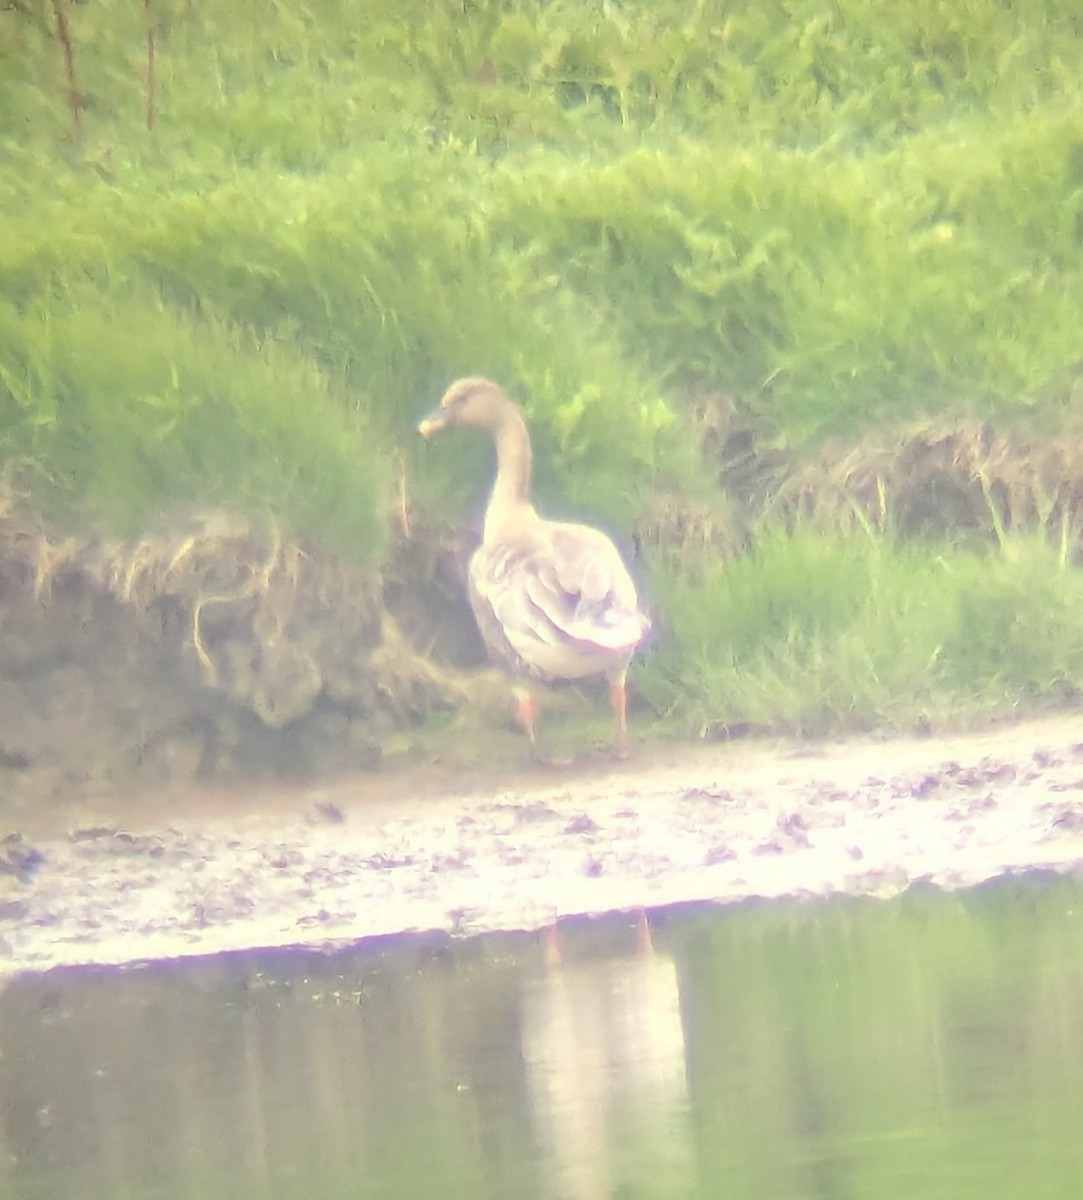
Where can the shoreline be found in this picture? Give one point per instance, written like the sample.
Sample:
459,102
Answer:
368,857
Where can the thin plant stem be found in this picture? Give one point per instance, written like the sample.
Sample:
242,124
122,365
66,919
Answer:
63,34
151,77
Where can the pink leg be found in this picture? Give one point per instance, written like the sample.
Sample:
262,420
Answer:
618,696
527,711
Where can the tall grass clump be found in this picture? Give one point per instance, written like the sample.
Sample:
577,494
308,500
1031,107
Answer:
818,633
132,411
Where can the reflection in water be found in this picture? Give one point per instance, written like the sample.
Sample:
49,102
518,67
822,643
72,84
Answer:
604,1050
931,1046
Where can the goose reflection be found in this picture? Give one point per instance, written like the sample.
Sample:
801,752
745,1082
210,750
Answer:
604,1049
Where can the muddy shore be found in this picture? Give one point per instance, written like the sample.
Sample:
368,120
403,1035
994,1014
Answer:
166,877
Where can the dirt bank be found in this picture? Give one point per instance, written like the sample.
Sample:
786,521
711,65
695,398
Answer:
369,857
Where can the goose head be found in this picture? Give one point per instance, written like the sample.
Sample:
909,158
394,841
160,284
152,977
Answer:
473,401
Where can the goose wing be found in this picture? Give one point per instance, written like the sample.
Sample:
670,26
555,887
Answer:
558,604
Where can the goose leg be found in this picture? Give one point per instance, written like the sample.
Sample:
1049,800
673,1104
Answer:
618,697
527,711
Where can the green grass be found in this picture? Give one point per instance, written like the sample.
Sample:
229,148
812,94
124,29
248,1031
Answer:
835,215
819,633
133,401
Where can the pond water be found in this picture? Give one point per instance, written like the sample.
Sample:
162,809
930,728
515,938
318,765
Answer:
929,1046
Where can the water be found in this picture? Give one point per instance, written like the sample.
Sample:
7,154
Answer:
926,1047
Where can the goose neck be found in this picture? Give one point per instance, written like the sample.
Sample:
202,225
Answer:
513,462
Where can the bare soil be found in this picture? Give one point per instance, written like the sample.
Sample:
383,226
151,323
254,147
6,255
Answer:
120,881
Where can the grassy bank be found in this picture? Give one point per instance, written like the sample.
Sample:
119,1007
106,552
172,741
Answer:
245,246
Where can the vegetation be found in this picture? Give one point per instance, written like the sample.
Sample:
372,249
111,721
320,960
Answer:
246,245
817,632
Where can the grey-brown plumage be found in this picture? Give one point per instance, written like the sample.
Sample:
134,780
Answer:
553,601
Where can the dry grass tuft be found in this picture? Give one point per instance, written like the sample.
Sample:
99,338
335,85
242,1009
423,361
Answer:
942,478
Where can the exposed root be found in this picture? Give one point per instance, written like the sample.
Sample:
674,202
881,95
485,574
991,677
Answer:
210,672
52,560
266,624
256,585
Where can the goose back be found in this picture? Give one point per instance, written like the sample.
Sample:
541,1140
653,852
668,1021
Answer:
554,601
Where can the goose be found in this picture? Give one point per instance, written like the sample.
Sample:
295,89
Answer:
553,601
